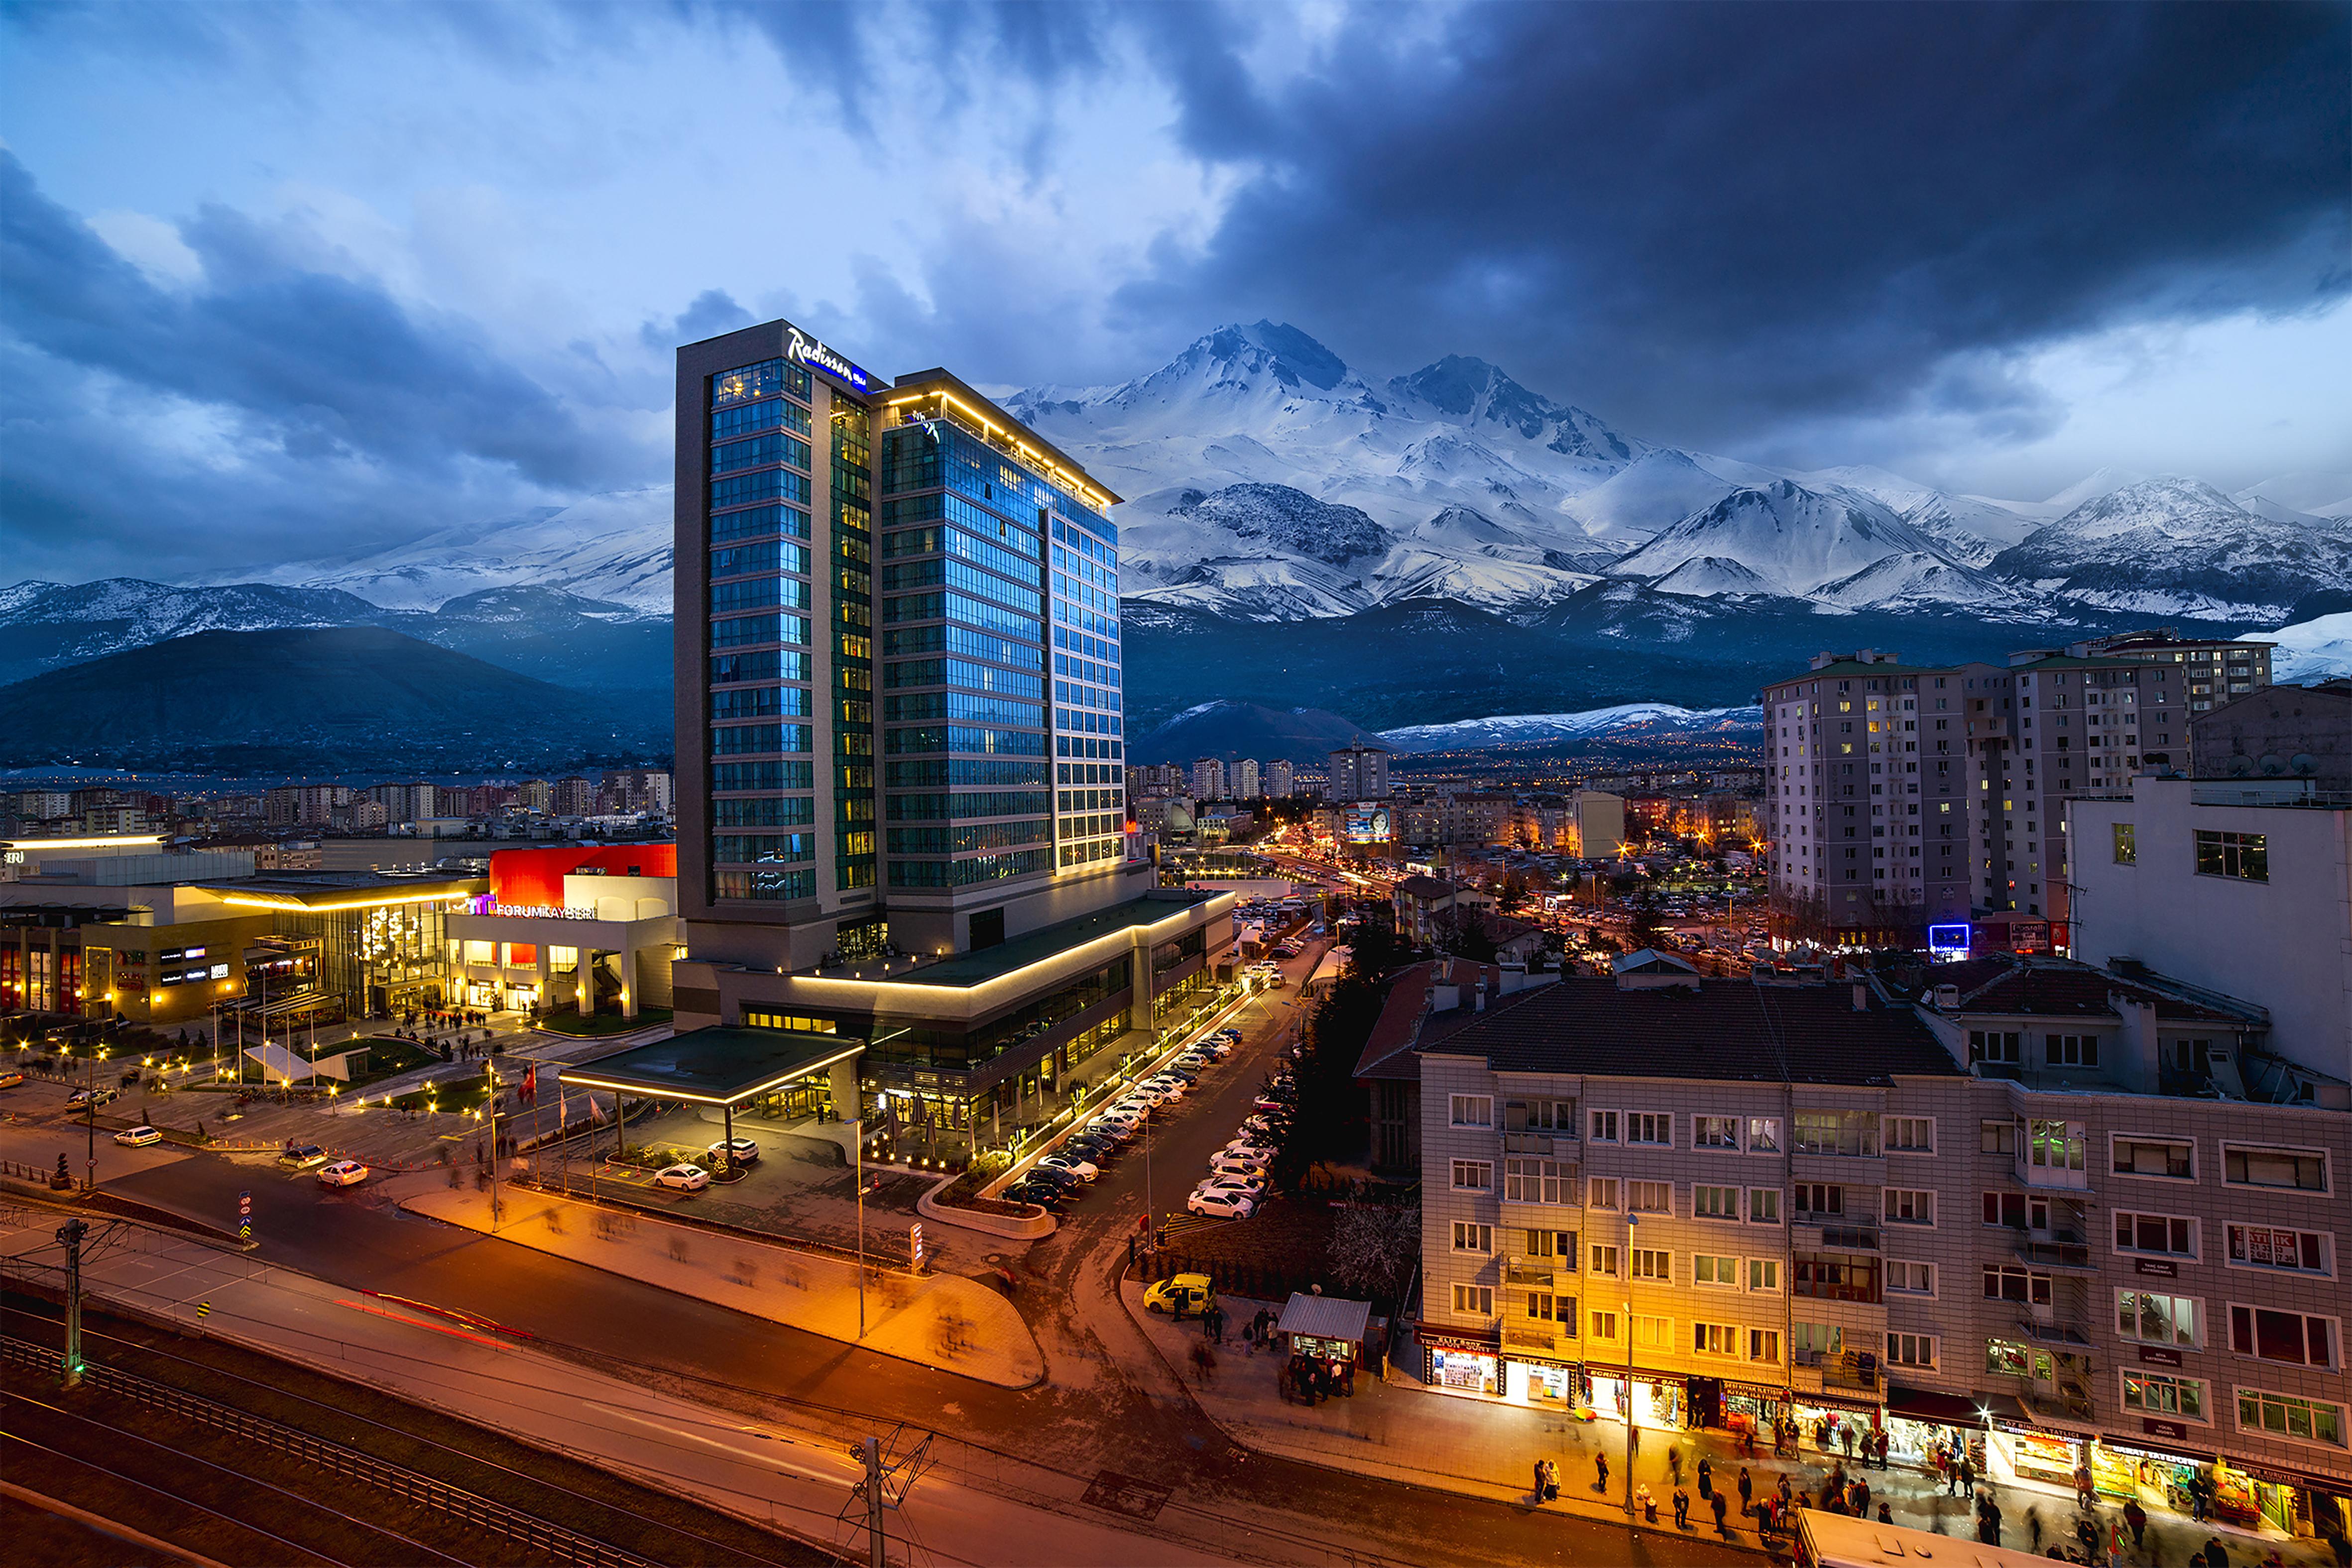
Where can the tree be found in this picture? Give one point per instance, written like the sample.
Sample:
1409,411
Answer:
1464,933
1645,916
1373,1249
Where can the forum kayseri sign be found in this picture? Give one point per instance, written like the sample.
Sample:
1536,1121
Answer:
482,905
806,351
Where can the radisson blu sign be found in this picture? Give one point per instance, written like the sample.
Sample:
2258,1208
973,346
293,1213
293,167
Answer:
806,351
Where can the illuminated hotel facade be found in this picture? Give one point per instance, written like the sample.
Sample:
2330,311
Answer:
900,757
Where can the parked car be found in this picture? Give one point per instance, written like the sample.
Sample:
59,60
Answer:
682,1178
82,1097
1178,1292
1043,1194
11,1080
1189,1077
1088,1147
1224,1167
1220,1206
1233,1034
1078,1165
742,1151
1269,1104
342,1173
138,1137
1248,1184
1257,1156
302,1156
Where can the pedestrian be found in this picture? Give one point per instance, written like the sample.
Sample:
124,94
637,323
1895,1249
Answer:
1682,1509
1968,1473
2216,1554
2033,1527
1600,1472
1846,1437
1861,1497
1705,1477
1747,1492
1748,1441
1721,1507
1675,1463
2135,1520
1551,1482
1541,1464
1885,1514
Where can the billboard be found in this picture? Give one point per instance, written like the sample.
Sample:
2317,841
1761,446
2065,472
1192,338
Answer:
1952,940
1366,825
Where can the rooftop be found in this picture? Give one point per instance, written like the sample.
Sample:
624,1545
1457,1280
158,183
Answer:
721,1065
985,964
1717,1030
2060,987
328,890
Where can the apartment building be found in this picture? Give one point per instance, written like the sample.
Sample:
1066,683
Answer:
1242,780
1281,782
2062,1213
1359,773
1209,778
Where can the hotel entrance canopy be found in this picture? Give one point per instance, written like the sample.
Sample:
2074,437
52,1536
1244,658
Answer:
722,1066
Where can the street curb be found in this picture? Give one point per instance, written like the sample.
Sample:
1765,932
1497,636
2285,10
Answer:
1437,1480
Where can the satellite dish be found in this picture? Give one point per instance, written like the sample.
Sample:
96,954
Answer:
2273,764
2304,765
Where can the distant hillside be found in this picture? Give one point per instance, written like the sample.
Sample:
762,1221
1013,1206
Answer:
1230,730
315,700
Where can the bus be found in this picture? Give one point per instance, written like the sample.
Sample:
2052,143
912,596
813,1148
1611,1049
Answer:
1841,1541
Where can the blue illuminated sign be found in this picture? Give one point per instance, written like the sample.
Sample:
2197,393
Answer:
816,356
1947,938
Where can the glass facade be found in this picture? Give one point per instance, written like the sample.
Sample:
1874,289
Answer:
852,646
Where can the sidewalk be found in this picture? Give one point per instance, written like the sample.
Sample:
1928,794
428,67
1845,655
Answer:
1400,1430
940,1321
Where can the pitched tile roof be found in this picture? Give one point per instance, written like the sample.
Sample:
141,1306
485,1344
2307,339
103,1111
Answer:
2060,987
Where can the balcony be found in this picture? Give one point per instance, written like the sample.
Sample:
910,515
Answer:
1836,1232
2051,1331
1554,1143
1848,1369
1539,1338
1533,1275
2057,1251
2066,1400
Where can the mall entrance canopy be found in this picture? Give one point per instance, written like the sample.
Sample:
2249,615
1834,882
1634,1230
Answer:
727,1066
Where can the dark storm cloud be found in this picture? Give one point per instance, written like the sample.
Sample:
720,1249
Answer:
713,311
317,361
1729,218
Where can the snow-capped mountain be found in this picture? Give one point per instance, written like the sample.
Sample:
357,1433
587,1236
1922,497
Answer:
1520,729
2317,650
1792,538
2179,546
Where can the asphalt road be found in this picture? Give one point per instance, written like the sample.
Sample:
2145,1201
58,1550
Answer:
1103,1407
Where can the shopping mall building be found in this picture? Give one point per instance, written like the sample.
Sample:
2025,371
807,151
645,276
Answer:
901,751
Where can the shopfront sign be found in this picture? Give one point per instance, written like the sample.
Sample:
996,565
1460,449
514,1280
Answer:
808,351
2156,1429
483,905
2159,1267
2156,1355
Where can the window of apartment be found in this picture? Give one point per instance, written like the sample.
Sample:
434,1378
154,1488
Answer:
1652,1333
2297,1338
1552,1244
2071,1050
1910,1134
1714,1339
2017,1211
1715,1202
1605,1261
2149,1318
1763,1134
1545,1306
1471,1237
2007,1282
1604,1126
1473,1110
1541,1117
2244,856
1909,1205
2154,1394
1763,1273
1813,1343
1993,1045
1650,1196
1764,1205
1653,1263
1601,1192
1474,1175
2126,839
1710,1268
2172,1157
1992,1137
1526,1180
2053,1145
1820,1198
2304,1170
1910,1349
1604,1325
1836,1276
1764,1344
2266,1247
1647,1128
2166,1234
2285,1416
1714,1132
1854,1133
1475,1300
1911,1279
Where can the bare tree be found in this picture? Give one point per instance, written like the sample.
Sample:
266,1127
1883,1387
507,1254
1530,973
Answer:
1374,1247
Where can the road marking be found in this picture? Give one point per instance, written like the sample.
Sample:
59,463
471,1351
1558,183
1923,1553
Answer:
749,1456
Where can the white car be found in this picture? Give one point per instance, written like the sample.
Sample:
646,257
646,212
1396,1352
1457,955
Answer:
685,1179
1220,1205
1086,1170
342,1173
138,1137
1223,1164
1250,1185
1249,1146
1168,1087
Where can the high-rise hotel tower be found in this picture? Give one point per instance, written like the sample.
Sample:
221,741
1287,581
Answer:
900,750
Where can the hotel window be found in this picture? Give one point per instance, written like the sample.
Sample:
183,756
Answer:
1604,1260
1644,1127
1714,1339
2245,857
2298,1339
2302,1170
1763,1273
2153,1394
1911,1350
1763,1134
2285,1416
2171,1158
1764,1205
1530,1180
1708,1269
1910,1206
1714,1132
1911,1134
1715,1202
2164,1235
1471,1237
1911,1279
1653,1263
799,1021
1473,1110
2265,1246
2146,1317
1474,1175
1475,1300
1650,1196
1602,1191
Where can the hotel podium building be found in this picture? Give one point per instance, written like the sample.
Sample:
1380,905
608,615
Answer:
900,776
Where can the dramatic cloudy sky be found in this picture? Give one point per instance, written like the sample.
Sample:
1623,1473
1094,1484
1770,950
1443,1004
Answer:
287,280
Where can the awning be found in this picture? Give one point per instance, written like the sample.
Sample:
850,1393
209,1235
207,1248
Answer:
1325,1317
1930,1405
1444,1336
